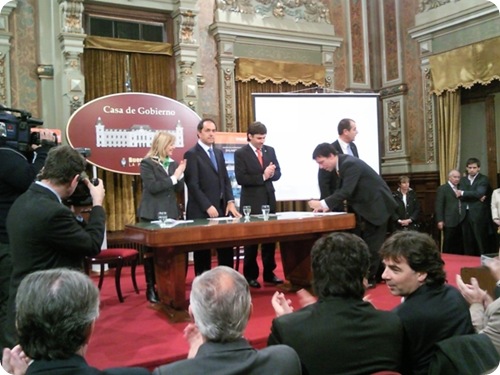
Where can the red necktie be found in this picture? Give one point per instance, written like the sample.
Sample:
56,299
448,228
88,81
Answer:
259,156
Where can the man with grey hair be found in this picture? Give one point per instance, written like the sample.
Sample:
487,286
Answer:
56,314
220,308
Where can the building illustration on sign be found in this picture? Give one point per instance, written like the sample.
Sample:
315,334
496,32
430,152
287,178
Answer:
136,136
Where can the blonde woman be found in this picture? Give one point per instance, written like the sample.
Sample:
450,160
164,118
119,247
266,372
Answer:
162,177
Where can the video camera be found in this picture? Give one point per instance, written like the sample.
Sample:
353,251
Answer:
18,129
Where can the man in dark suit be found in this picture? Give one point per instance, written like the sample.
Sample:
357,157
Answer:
354,336
56,314
43,232
475,194
256,167
220,306
328,182
365,191
449,214
209,190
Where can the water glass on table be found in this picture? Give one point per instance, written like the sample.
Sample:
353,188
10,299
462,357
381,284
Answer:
163,218
265,211
247,210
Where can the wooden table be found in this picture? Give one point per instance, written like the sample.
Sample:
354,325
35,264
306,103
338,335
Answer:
296,232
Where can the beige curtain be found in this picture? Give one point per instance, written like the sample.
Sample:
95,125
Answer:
105,73
466,66
448,128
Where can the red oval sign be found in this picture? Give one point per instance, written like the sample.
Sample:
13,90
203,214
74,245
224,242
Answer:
119,128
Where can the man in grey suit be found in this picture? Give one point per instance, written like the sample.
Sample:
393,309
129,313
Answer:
449,214
365,191
220,305
56,311
256,167
209,190
328,182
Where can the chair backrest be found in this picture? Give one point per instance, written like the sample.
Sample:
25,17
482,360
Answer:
464,355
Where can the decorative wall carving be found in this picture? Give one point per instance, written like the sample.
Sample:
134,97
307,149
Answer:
394,125
298,10
186,23
228,99
3,80
393,90
75,102
426,5
429,117
71,16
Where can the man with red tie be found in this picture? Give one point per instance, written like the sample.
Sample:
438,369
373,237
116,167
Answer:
256,167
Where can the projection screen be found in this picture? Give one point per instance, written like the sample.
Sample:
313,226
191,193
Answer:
297,123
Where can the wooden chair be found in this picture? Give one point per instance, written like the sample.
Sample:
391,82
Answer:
118,258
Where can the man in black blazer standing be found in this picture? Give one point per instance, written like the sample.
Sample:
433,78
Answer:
44,233
449,214
256,167
475,194
328,182
209,190
365,191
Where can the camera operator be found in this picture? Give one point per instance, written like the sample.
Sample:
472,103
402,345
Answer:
44,233
16,175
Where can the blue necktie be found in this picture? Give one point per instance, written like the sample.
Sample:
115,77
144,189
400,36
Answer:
212,157
349,151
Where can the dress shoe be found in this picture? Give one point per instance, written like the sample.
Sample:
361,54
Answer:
151,294
253,283
273,280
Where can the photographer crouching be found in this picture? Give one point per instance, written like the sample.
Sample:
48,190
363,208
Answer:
44,233
17,173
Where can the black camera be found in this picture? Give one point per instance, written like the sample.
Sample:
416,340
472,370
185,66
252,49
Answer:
81,196
17,129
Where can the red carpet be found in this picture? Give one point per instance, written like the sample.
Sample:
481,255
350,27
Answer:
134,334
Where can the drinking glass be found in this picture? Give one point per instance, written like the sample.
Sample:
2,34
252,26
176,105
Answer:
246,211
163,218
265,211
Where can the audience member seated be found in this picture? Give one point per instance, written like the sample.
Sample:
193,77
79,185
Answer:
220,305
432,310
408,210
56,312
339,333
484,311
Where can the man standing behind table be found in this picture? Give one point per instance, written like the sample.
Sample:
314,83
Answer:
450,214
328,182
256,167
432,310
475,194
365,191
43,232
209,190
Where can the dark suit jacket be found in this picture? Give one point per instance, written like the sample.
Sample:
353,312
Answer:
76,365
480,212
327,181
234,358
206,186
365,191
409,211
341,336
254,190
447,207
45,234
158,192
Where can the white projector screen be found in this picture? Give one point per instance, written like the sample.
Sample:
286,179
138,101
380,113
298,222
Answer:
297,123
